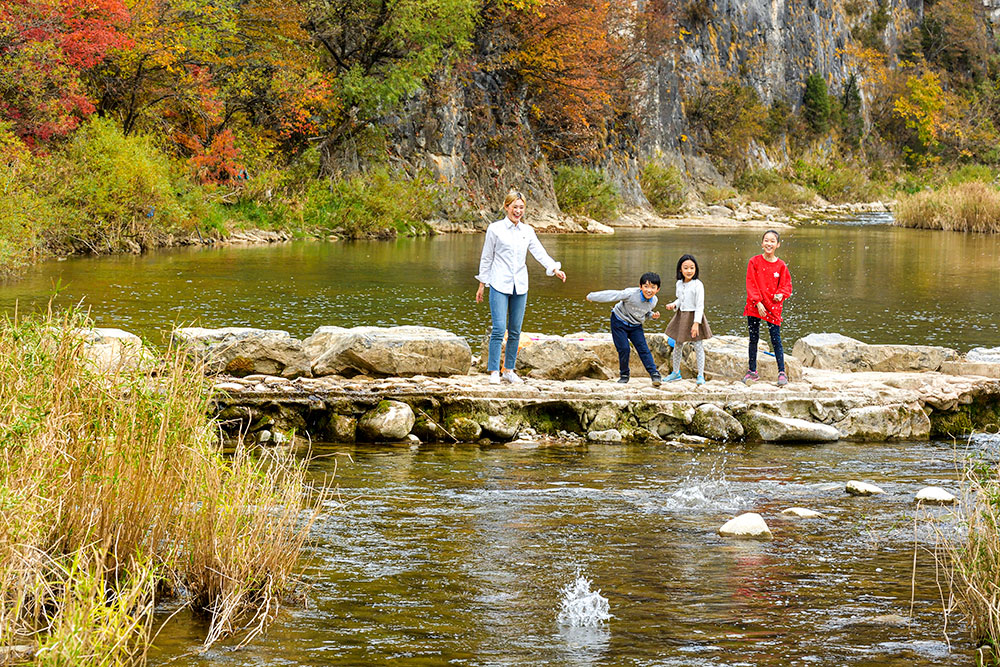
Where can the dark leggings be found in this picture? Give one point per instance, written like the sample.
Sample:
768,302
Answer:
753,324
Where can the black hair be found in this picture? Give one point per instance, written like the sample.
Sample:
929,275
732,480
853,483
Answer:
771,231
684,258
649,277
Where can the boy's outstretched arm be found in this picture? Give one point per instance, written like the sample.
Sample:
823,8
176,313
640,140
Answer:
608,295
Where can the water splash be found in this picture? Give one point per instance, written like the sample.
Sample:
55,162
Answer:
582,607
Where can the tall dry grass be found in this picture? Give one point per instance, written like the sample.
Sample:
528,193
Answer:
966,207
975,559
113,490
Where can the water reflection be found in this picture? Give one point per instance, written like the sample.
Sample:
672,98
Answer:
877,283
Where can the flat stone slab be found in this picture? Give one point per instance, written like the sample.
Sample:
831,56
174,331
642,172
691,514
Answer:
241,351
835,351
387,351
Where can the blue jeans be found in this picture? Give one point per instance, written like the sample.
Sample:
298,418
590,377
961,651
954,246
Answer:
621,334
507,311
753,324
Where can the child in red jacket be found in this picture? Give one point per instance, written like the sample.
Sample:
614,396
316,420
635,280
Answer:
768,285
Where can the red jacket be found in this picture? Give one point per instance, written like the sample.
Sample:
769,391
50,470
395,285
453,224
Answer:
764,280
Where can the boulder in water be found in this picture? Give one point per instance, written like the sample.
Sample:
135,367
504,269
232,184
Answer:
748,525
856,488
935,495
388,421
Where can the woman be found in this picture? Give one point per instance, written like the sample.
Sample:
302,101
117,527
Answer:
502,267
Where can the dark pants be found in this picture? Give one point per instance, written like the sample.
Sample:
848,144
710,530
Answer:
621,334
753,324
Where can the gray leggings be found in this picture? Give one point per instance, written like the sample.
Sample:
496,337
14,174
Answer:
699,352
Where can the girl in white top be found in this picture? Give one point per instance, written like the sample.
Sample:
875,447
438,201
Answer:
502,266
689,323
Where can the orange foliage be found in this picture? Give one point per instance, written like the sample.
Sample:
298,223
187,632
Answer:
217,162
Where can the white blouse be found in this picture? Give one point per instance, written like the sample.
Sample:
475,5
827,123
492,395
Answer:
691,296
502,264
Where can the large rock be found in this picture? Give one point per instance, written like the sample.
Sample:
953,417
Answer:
242,351
749,525
114,350
578,355
389,420
713,422
726,359
771,428
833,351
885,422
387,351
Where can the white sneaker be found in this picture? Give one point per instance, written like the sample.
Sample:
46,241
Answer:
508,376
494,377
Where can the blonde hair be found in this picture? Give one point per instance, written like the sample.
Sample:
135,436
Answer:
512,196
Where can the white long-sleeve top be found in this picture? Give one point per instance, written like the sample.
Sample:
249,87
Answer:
691,296
502,265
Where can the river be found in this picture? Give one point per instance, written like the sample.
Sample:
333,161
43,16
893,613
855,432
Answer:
877,283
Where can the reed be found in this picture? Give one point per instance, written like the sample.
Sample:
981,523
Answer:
113,489
967,207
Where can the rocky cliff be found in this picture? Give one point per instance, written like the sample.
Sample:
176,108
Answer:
473,130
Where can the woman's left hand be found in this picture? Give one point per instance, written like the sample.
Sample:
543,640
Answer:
694,330
560,275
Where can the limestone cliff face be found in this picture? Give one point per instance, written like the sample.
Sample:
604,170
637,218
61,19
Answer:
473,131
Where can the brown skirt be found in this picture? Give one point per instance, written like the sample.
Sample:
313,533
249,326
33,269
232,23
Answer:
679,327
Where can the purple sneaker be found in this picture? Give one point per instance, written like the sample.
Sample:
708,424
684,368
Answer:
782,380
750,377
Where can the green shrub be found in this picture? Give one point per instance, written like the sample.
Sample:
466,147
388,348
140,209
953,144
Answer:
24,214
968,173
378,203
713,194
663,187
837,182
123,188
584,191
770,187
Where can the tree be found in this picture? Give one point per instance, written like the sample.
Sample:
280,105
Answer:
816,103
851,118
46,48
378,52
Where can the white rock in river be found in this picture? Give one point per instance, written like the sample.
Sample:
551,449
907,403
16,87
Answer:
610,435
750,524
856,488
802,512
935,495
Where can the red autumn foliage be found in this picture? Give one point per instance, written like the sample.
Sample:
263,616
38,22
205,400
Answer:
46,49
